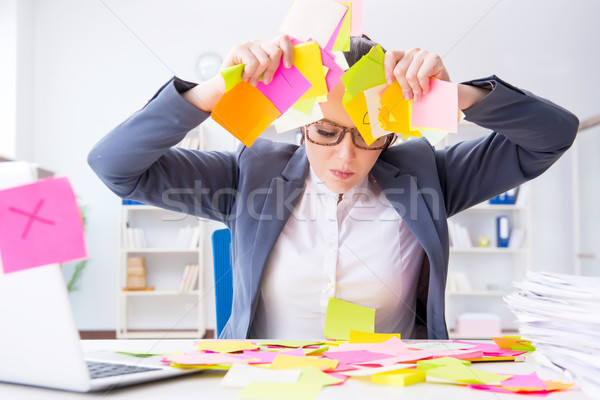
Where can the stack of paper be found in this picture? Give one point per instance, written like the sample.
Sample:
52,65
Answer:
559,314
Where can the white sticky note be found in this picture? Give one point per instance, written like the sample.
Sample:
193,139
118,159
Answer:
373,106
293,119
241,375
313,19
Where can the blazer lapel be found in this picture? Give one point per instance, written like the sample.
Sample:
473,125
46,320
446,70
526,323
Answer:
283,195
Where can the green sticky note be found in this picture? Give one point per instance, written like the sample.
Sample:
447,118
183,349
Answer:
425,365
368,72
140,355
232,76
313,376
280,391
342,317
305,105
342,41
463,374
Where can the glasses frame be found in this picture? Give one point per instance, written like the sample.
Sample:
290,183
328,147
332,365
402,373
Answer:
353,132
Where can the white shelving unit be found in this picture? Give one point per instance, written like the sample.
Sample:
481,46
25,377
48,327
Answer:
164,312
490,271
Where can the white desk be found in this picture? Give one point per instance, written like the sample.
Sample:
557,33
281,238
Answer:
206,385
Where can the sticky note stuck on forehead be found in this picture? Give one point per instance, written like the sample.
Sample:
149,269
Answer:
359,113
342,317
316,19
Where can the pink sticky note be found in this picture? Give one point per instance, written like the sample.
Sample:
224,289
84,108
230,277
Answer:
267,357
287,86
41,224
529,380
353,357
334,73
438,109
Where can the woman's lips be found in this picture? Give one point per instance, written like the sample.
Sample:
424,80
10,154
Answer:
341,174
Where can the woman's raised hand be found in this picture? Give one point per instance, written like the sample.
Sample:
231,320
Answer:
412,69
261,58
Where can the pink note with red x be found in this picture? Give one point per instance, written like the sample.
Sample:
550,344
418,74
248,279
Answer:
41,224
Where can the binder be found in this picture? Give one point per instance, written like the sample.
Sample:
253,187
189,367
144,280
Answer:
502,231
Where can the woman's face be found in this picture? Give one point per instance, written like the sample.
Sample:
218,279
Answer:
342,166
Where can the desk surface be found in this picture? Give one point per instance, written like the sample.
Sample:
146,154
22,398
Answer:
206,385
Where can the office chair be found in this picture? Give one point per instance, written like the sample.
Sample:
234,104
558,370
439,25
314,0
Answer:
222,266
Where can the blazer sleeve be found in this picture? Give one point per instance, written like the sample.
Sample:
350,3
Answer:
529,135
137,160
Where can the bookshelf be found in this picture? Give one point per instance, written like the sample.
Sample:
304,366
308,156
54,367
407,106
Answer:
479,277
170,303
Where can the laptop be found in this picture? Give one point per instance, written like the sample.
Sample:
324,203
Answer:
39,341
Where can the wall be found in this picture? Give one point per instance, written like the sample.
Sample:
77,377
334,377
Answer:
97,62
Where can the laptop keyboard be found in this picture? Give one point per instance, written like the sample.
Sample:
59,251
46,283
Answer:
103,369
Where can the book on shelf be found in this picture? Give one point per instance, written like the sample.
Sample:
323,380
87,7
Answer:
188,237
460,237
515,240
135,238
189,278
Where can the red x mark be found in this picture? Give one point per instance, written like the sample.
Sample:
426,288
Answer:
32,216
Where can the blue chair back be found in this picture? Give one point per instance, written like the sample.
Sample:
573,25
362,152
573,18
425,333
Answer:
222,264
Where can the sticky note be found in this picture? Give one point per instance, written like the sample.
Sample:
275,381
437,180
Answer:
307,58
439,346
225,346
366,73
356,27
527,380
305,106
232,76
288,85
355,356
394,114
293,119
241,375
400,377
245,112
342,39
513,343
438,109
312,375
370,337
41,224
199,358
426,365
283,361
316,19
289,343
279,391
342,317
334,72
464,374
373,98
359,113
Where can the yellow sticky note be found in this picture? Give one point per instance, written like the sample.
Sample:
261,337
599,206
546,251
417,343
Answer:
307,58
513,343
225,346
359,113
232,76
399,377
279,391
394,115
342,317
366,73
464,374
283,361
370,337
245,112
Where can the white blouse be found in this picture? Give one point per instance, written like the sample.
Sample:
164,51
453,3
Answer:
359,251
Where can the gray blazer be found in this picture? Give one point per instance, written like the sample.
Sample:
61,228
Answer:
254,190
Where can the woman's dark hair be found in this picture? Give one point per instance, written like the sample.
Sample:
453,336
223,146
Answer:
359,46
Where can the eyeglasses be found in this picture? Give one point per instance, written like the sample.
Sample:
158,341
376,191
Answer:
329,134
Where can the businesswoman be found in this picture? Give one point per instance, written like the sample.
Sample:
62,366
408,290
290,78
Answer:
333,217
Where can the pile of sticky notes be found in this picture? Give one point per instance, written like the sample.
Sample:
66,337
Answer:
320,30
282,368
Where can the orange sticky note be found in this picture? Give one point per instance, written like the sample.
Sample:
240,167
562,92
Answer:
245,112
395,111
513,343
